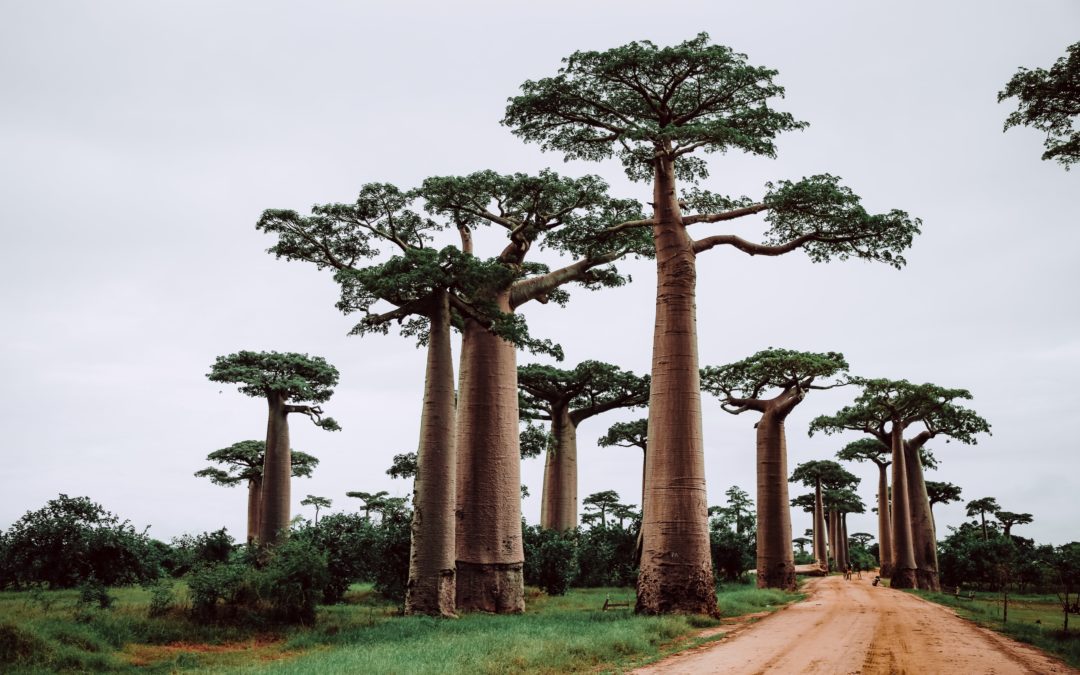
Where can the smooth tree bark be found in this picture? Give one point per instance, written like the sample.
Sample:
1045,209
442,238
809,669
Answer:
573,216
874,451
884,410
654,107
428,291
279,378
566,398
243,463
741,386
821,539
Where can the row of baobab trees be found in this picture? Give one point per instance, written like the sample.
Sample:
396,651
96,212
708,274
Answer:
657,110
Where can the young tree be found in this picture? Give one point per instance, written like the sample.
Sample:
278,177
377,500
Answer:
372,501
1049,100
1066,566
873,450
862,538
1008,519
821,475
938,492
634,434
602,503
772,382
654,108
884,410
318,503
244,462
290,383
566,398
981,507
801,543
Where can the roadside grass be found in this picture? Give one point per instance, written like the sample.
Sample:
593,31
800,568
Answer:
50,631
1024,611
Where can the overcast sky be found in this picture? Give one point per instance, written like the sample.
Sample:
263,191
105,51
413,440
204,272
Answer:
140,141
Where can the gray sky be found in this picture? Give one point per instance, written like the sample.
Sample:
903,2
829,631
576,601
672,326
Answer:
140,141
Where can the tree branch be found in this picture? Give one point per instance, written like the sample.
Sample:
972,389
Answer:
727,215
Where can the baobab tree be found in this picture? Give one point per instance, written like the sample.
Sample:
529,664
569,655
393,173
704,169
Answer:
821,474
372,500
800,543
938,492
601,503
654,108
318,503
566,398
290,383
981,507
874,451
1049,101
884,410
1008,519
838,504
244,463
773,382
633,434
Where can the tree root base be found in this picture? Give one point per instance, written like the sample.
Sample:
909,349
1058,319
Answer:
498,588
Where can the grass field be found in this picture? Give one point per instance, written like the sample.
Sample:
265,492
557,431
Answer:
1034,619
44,632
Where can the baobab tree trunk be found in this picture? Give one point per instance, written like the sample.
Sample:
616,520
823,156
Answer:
431,588
676,573
821,547
489,548
904,575
254,507
884,523
844,540
775,561
558,506
277,473
922,525
834,539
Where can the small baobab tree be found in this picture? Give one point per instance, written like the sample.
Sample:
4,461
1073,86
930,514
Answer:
290,383
800,543
373,501
658,109
980,507
821,474
244,462
874,451
318,503
566,398
1008,519
938,492
773,382
885,409
601,504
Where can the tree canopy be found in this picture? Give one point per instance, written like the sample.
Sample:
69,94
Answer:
244,462
983,505
627,434
742,385
1049,101
942,493
830,474
292,376
591,388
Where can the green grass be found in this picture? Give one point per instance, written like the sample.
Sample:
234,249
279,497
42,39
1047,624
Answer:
45,632
1033,619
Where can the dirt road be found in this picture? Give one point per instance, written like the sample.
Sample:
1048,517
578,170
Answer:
848,627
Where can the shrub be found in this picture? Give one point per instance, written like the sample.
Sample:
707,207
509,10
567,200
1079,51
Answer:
551,559
72,540
350,543
390,564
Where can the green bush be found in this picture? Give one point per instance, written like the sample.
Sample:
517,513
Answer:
390,565
72,540
351,544
551,561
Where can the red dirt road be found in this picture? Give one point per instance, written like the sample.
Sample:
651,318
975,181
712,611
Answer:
848,627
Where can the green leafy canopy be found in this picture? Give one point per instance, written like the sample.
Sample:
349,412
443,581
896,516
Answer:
243,461
591,388
1049,101
771,369
292,376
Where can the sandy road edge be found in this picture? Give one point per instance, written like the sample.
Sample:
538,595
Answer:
1016,650
709,637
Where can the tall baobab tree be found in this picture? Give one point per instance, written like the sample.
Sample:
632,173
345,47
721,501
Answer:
243,463
772,383
1008,519
838,504
654,108
980,507
874,451
290,383
566,398
569,215
938,492
884,410
822,475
